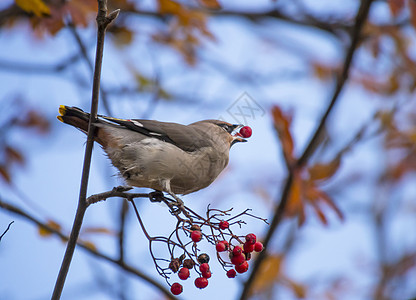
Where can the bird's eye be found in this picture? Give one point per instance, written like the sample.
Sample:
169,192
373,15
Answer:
225,127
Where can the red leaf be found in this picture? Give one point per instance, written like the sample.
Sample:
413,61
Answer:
396,6
412,6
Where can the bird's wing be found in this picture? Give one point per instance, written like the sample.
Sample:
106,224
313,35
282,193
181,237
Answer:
182,136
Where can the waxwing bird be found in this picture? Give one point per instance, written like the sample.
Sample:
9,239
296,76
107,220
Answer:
169,157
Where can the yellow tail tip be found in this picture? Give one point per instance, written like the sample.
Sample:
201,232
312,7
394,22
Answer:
60,119
62,110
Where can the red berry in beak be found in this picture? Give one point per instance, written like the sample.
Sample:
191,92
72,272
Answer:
246,132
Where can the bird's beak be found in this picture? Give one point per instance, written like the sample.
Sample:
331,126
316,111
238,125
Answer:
237,137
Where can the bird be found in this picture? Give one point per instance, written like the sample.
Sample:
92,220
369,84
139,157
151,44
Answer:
163,156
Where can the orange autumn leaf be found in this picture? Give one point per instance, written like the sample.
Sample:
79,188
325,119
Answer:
325,171
37,7
211,4
282,124
45,232
295,205
268,274
323,71
316,197
90,245
169,7
304,191
101,230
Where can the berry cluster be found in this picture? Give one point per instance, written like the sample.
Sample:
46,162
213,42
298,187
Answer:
239,255
184,272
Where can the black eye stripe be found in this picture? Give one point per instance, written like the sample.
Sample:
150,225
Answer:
227,127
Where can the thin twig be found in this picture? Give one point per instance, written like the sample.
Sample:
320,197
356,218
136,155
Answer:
279,212
102,21
7,229
119,191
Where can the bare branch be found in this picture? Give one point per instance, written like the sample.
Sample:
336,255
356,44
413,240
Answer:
279,212
102,21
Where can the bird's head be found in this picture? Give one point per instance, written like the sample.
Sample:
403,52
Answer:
231,133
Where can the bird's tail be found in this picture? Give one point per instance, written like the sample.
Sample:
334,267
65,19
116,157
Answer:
78,118
74,116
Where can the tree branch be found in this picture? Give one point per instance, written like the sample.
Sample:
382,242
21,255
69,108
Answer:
15,210
119,191
279,212
103,20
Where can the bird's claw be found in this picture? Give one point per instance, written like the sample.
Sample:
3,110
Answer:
156,196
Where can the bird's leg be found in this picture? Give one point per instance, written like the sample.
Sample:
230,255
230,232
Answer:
156,196
166,185
179,201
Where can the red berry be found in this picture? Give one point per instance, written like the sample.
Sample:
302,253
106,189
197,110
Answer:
248,247
196,236
251,238
238,259
248,256
201,282
206,274
183,273
176,288
246,132
237,250
241,268
220,247
224,225
204,267
231,273
258,247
